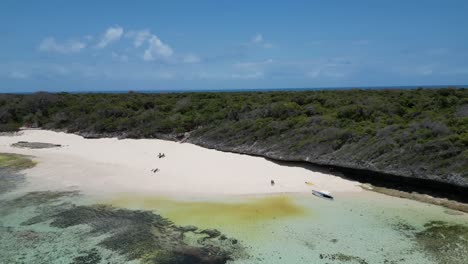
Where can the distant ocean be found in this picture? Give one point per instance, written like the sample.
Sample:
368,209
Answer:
156,91
276,89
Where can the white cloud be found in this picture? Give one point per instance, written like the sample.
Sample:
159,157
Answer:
253,65
247,76
139,37
112,34
71,46
250,70
257,38
119,57
228,76
156,48
313,73
164,75
18,75
191,58
333,68
27,70
422,70
425,70
327,72
99,71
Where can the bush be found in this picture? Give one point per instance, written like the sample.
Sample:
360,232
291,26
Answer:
309,123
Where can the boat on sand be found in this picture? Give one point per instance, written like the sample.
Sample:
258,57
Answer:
323,194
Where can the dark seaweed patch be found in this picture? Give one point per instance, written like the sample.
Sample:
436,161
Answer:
444,242
47,212
9,180
135,234
147,236
41,201
90,257
343,258
447,243
40,198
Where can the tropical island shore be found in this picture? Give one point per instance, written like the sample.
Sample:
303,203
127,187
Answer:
410,140
110,165
200,203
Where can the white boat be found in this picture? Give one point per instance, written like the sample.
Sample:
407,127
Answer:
323,194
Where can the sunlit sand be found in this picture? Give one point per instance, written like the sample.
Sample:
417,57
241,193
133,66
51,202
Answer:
115,166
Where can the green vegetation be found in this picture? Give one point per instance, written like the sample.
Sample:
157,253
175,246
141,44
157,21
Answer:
416,133
15,161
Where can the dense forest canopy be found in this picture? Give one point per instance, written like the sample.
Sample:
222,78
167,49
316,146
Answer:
407,132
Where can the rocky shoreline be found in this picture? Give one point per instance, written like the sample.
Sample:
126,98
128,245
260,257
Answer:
453,193
35,145
388,179
454,205
396,180
454,188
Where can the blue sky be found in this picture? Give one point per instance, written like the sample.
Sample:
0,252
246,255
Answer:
133,45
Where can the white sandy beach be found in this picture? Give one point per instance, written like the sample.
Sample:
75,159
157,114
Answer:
124,166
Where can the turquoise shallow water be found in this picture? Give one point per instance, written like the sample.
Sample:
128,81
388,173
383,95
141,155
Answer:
352,228
355,228
42,243
359,228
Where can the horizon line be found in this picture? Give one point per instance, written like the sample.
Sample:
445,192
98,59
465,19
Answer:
227,90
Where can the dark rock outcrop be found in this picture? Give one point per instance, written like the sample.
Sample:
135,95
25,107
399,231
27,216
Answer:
35,145
344,163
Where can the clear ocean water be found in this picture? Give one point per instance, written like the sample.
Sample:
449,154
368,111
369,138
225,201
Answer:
363,227
301,228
